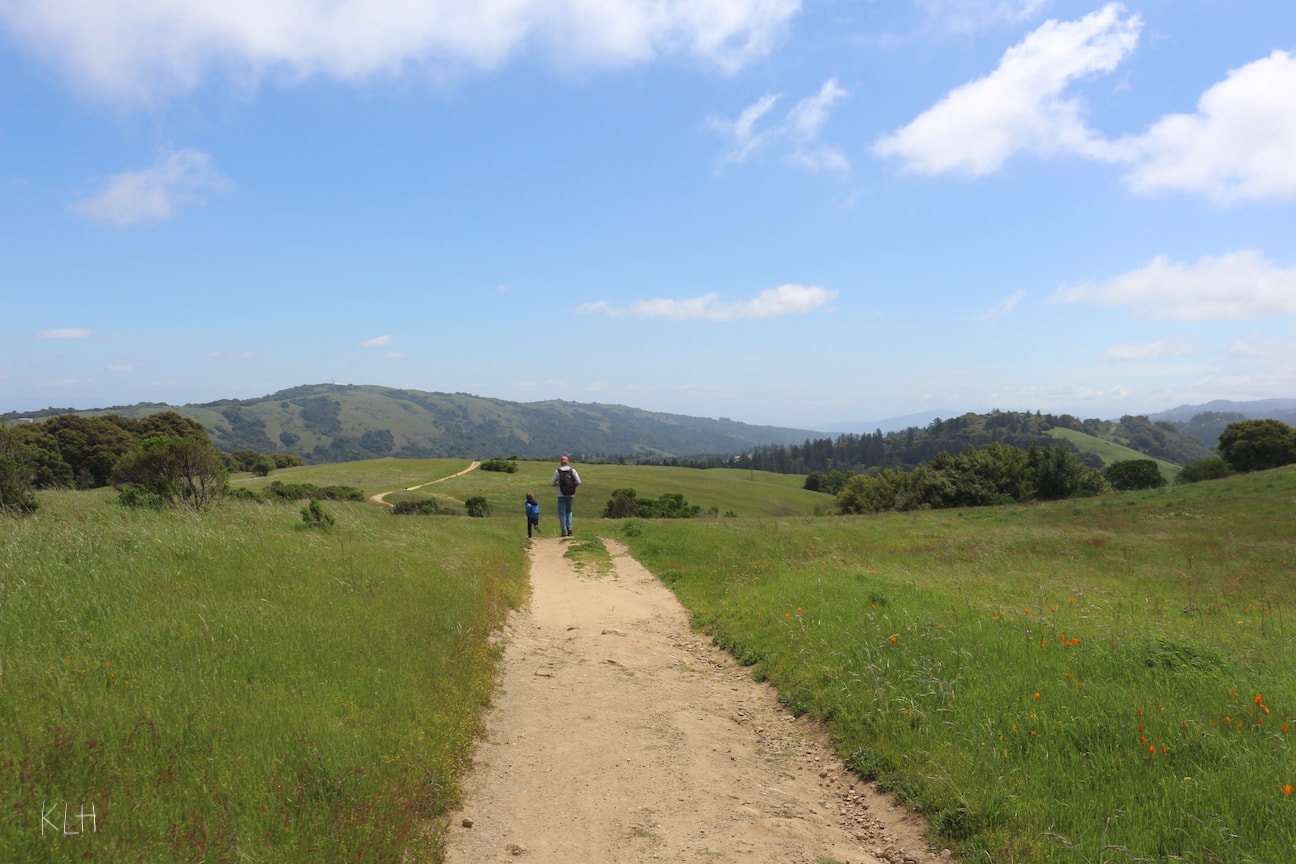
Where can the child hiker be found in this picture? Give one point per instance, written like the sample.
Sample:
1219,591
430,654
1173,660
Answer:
533,514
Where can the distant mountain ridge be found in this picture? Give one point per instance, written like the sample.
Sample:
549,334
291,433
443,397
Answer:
1259,409
345,422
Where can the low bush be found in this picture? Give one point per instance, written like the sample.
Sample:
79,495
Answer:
1131,474
316,516
302,491
626,504
416,508
136,495
1213,468
17,495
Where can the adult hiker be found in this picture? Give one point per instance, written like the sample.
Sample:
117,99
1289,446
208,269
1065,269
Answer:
566,479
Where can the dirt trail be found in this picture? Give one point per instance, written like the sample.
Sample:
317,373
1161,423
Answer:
381,497
619,735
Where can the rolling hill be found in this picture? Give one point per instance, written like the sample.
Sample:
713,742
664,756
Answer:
341,422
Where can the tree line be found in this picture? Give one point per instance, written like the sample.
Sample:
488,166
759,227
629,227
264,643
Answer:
915,446
1000,474
161,459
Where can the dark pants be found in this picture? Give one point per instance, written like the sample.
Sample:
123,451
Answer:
532,523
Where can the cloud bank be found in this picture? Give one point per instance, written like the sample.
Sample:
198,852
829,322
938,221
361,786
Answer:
968,15
771,303
1237,286
1238,145
139,51
1023,105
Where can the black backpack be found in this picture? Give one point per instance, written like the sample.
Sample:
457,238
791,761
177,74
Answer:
566,481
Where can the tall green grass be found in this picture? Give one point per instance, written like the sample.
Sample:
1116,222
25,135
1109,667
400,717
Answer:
1095,681
235,686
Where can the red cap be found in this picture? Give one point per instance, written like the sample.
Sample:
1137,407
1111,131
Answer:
564,459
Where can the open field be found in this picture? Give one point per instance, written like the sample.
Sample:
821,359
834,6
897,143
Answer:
1098,680
234,686
1101,680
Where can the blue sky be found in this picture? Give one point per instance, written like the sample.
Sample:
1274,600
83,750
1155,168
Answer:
782,212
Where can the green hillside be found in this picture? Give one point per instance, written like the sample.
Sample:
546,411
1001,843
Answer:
340,423
1110,451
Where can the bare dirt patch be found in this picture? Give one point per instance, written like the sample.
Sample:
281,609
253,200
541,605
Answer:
619,735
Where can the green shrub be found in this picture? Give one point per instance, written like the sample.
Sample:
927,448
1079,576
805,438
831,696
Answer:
139,496
416,508
179,470
828,482
302,491
1257,445
478,506
503,465
316,516
1129,474
626,504
1213,468
17,495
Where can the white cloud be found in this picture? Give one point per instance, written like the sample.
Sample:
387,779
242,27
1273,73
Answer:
798,132
120,368
140,51
806,121
1258,345
967,15
1059,394
1151,351
1241,143
153,194
743,129
1238,285
377,341
238,356
1022,105
66,383
1006,306
771,303
64,333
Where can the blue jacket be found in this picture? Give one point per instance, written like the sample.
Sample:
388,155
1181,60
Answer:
532,510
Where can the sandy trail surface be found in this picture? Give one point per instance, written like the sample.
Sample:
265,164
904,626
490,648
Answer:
619,735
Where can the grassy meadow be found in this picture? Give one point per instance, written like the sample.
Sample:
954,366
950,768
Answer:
1101,680
236,686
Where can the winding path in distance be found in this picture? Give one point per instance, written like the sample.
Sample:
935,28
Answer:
381,497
